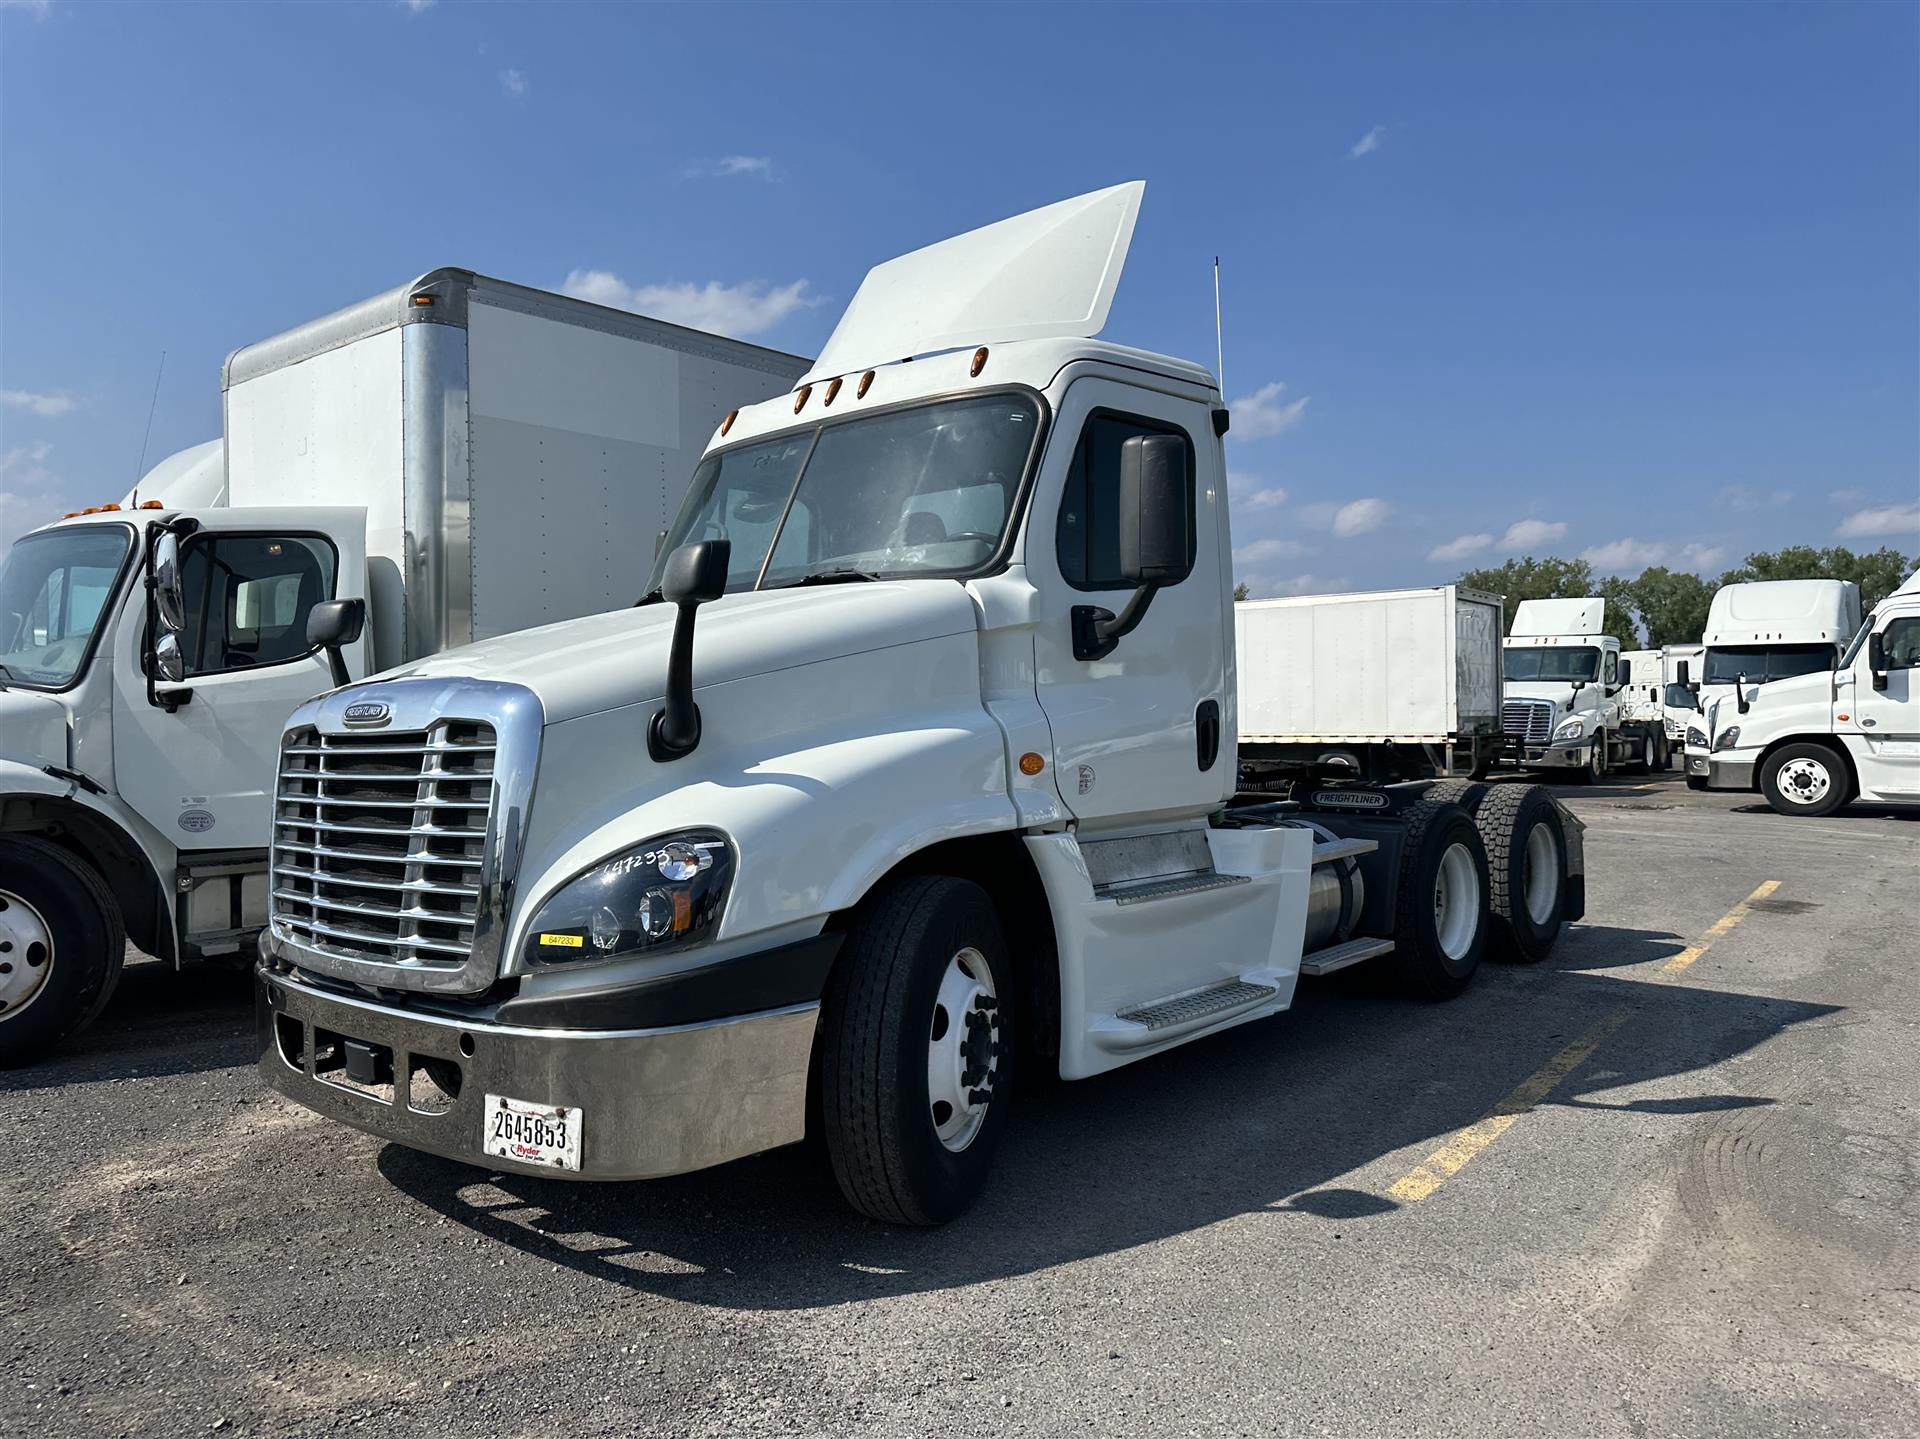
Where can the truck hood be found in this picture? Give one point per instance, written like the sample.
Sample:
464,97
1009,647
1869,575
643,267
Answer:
1542,690
33,728
601,662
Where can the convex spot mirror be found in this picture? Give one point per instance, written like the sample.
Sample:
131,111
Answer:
169,661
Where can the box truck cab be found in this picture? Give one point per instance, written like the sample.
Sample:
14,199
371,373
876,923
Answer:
917,766
1762,632
1811,743
493,457
1563,697
1679,692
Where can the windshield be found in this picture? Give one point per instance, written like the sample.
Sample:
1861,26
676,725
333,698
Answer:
53,589
1561,663
1679,697
923,491
1760,663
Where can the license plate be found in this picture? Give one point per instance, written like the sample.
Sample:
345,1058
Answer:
532,1133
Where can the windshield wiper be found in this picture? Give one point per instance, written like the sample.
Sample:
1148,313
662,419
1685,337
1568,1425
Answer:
826,577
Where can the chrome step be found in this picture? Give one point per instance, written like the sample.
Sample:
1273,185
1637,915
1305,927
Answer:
1339,956
1139,891
1166,1013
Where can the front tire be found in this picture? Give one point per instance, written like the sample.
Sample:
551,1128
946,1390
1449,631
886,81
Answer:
1805,779
1440,913
917,1050
62,944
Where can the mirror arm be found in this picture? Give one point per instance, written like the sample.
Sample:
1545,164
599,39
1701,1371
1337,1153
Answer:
1097,631
675,730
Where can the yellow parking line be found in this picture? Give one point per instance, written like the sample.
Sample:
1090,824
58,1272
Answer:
1453,1156
1727,921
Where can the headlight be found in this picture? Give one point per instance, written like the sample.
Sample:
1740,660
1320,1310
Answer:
658,896
1696,738
1673,729
1571,729
1727,738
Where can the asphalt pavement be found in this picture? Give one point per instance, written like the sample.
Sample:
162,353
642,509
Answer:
1665,1183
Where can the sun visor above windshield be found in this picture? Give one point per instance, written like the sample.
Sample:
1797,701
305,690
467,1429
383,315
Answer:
1047,274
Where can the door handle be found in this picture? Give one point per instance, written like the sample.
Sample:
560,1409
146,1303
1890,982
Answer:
1206,733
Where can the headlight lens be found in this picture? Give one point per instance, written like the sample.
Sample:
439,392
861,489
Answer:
1696,738
1570,729
1727,738
658,896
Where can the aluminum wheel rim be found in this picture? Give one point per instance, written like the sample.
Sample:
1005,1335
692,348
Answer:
1804,781
1456,902
1597,760
1541,881
963,1050
26,954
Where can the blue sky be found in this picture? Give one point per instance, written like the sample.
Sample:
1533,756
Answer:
1636,282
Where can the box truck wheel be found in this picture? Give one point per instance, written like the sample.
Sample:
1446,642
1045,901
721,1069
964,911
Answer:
62,943
917,1050
1662,754
1805,779
1440,912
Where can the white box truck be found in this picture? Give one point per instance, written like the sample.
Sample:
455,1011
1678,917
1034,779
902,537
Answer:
1386,684
1810,743
1763,631
1564,702
920,768
1680,691
451,460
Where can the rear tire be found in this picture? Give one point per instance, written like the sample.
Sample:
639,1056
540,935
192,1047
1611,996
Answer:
1526,870
1440,913
62,944
1805,779
923,985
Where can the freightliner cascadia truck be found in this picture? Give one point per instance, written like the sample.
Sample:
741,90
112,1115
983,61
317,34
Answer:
915,766
458,458
1563,700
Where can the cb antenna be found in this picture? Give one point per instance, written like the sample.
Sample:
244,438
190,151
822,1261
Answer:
1219,342
141,468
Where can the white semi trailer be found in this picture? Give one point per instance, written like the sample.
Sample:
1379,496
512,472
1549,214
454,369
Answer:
1385,684
455,459
1811,743
919,766
1564,693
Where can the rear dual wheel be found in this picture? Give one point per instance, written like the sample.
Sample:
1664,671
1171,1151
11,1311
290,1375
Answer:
1526,846
1440,912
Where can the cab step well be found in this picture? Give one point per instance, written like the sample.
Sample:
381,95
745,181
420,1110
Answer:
1139,891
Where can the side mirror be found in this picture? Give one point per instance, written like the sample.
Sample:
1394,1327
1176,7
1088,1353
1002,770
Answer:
1626,672
333,623
1155,537
170,605
693,575
166,615
1877,658
1740,693
169,663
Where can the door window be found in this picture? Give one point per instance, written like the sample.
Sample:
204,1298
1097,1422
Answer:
1902,643
247,599
1088,534
1613,668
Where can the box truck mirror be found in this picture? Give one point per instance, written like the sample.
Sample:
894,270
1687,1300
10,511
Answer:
1155,537
169,663
1683,675
331,624
694,574
169,603
1877,658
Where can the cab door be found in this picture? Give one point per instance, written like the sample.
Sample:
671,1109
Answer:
1145,732
203,773
1883,729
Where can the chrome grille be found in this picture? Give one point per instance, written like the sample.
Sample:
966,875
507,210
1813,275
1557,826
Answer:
1532,720
380,842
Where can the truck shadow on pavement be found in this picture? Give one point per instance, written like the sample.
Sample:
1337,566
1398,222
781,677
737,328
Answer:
1306,1118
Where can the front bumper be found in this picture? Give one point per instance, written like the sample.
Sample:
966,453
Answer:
1697,764
1726,771
654,1101
1570,754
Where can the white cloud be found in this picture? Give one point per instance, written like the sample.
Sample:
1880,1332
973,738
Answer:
1259,551
29,491
23,464
515,82
1368,142
1881,520
1745,497
1261,414
1523,533
1460,548
39,9
415,6
740,310
1360,517
47,405
1272,497
752,167
1307,585
1620,556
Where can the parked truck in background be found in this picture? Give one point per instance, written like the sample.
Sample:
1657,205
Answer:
918,766
1563,701
1388,684
466,456
1680,686
1761,632
1812,742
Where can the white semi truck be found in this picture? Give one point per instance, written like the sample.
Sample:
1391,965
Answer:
1813,742
1384,684
455,458
1760,632
917,767
1564,702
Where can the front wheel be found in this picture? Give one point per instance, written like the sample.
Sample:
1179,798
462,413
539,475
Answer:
1805,779
916,1050
61,947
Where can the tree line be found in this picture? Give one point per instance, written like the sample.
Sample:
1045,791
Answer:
1670,606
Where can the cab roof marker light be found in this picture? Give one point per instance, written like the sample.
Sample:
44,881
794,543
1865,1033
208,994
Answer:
800,398
423,299
979,363
866,383
152,505
727,423
832,390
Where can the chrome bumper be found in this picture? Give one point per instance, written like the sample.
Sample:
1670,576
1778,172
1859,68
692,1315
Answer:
1697,763
653,1101
1726,772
